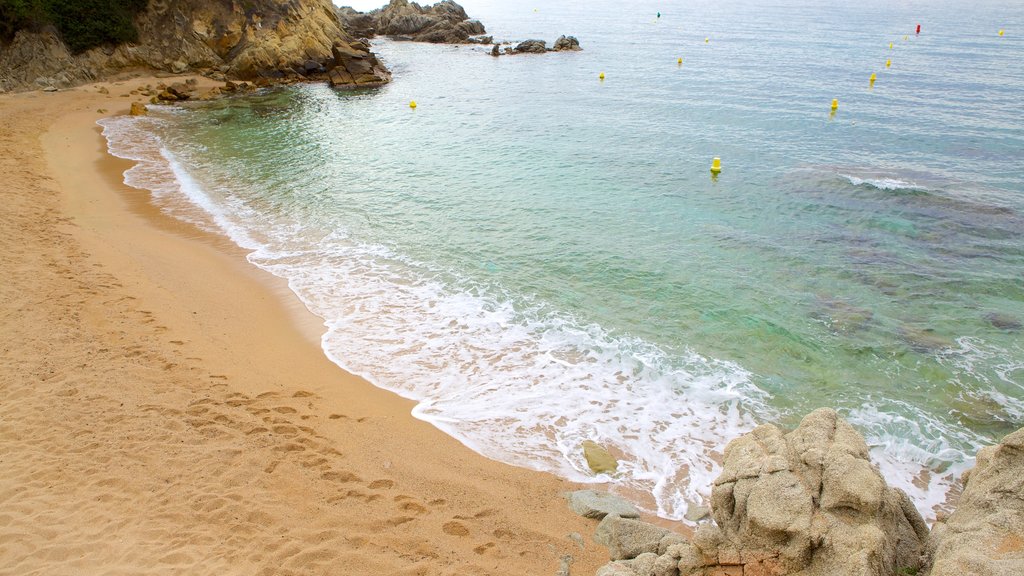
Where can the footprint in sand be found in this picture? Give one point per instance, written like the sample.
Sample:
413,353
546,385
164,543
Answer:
455,528
481,549
381,484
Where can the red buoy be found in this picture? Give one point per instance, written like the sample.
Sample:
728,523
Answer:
918,28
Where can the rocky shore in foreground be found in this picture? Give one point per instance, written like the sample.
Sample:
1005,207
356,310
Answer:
809,502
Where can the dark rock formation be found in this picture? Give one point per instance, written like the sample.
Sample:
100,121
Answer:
531,47
808,502
985,535
566,43
246,40
444,22
353,65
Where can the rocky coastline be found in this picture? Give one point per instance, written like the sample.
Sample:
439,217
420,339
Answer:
442,23
257,41
808,502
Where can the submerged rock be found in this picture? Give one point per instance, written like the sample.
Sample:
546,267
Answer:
985,535
593,504
1003,321
138,109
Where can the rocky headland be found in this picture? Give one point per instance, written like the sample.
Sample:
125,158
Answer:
809,503
443,23
256,39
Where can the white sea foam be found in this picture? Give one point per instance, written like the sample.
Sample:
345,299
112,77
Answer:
884,183
915,454
512,379
515,382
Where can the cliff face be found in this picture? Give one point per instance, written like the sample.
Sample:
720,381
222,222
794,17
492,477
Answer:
242,39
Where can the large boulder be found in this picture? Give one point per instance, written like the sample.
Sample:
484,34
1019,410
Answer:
985,535
354,66
593,504
566,43
807,503
531,47
444,22
811,501
627,538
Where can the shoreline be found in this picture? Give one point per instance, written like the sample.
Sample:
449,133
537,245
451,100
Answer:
171,389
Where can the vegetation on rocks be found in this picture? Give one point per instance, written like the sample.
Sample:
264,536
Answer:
82,24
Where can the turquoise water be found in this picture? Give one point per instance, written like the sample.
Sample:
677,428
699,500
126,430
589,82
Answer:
540,257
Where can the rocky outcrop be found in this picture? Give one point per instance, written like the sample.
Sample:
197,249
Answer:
444,22
531,47
564,43
985,535
243,40
355,66
808,502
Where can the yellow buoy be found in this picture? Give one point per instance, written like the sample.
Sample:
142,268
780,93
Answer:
412,103
716,165
679,61
871,80
905,38
890,45
706,40
835,103
1000,32
601,75
888,63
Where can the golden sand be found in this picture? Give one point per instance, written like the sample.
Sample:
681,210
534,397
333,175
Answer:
165,407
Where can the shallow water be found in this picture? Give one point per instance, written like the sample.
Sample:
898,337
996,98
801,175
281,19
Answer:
540,257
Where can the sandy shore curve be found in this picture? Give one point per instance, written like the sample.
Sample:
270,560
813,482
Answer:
165,407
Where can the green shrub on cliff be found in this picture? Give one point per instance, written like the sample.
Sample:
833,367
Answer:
18,15
83,24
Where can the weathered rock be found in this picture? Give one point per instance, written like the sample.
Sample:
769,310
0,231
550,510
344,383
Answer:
354,66
444,22
593,504
614,569
531,47
138,109
566,43
985,535
627,538
696,512
265,39
812,499
642,564
598,458
808,502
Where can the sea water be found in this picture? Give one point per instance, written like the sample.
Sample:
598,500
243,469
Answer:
540,257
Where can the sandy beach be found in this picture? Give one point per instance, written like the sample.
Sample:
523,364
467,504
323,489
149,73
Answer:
166,407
